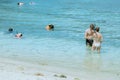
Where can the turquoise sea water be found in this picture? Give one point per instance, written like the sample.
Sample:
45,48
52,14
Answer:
65,46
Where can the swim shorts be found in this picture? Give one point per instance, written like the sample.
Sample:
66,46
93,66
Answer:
89,42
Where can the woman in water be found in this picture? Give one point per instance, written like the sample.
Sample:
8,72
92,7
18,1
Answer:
97,39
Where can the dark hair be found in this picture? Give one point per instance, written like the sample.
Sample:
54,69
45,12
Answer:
92,26
51,26
10,29
97,29
21,35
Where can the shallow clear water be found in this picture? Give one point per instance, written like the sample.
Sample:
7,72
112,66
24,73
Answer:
65,46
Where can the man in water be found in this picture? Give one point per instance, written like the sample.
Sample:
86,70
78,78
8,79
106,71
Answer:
89,35
97,39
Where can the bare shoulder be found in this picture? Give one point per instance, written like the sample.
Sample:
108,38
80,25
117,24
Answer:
100,35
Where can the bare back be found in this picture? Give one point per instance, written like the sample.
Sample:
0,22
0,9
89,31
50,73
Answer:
97,37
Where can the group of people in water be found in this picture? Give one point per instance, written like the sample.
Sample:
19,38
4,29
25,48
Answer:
93,38
18,35
92,35
49,27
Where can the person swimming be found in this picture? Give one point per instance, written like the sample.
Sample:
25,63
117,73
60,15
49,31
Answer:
20,3
10,30
50,27
18,35
32,3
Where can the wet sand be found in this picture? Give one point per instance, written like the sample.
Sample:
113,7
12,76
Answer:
17,70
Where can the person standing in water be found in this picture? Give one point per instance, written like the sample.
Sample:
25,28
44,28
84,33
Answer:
89,35
97,39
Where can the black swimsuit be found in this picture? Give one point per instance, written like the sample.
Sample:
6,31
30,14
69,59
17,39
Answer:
89,42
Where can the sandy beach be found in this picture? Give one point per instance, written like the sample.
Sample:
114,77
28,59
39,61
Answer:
17,70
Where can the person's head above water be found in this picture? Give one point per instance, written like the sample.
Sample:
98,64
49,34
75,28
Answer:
50,27
92,26
10,29
20,3
97,29
18,35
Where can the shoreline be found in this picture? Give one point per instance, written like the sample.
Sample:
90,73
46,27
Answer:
11,69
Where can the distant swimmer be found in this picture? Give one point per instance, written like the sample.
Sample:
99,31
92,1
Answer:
10,30
89,35
32,3
50,27
20,3
97,39
18,35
